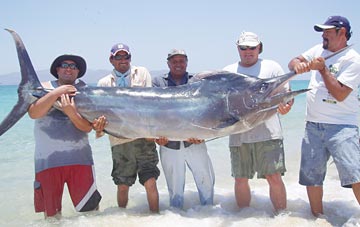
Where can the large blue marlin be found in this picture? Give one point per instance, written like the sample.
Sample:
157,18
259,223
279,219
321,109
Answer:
215,104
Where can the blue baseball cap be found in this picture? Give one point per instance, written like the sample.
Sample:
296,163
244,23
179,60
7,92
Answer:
120,47
333,22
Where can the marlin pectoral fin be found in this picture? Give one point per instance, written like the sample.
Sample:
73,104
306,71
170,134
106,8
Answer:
267,109
227,122
223,124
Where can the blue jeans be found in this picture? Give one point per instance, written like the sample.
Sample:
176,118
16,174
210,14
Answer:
321,141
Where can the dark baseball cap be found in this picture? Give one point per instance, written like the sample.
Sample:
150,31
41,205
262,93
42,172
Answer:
333,22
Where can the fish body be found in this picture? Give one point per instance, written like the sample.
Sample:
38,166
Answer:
214,104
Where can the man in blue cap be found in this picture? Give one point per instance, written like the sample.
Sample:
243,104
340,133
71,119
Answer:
331,111
132,158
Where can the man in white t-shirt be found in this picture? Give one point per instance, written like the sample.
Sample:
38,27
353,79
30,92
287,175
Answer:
331,111
260,149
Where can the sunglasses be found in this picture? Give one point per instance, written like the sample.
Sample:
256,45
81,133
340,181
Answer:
247,47
65,65
122,57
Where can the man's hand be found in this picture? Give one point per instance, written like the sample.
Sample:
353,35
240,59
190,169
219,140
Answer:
67,105
285,108
194,140
99,123
301,67
162,141
317,64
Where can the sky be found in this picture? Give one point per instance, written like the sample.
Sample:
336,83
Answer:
206,30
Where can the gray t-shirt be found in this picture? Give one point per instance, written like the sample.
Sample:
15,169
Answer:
59,143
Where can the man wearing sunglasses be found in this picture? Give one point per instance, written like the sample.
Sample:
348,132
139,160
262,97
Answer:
131,158
332,111
62,150
260,149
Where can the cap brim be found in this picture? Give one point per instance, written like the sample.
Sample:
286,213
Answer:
322,27
172,55
247,43
113,54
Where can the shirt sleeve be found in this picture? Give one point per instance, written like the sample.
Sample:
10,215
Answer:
349,74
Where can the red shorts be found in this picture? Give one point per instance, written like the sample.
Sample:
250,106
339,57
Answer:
49,186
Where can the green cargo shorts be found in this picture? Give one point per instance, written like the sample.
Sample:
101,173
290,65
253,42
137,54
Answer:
265,158
138,157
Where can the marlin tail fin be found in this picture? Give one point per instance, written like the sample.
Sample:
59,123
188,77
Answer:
28,87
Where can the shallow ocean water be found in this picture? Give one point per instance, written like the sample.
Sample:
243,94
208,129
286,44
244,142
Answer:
17,174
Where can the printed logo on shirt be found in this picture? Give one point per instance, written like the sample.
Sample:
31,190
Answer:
334,69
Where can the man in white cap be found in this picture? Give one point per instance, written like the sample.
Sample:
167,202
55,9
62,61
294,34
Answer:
260,149
331,111
131,158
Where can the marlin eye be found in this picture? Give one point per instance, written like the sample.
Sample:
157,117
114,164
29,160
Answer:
263,87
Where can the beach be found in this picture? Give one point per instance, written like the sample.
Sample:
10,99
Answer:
17,176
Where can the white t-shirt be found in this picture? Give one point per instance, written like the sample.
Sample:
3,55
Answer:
321,106
271,128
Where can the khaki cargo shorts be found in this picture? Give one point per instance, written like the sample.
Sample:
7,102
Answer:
265,158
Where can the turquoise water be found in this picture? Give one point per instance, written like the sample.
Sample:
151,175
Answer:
17,173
